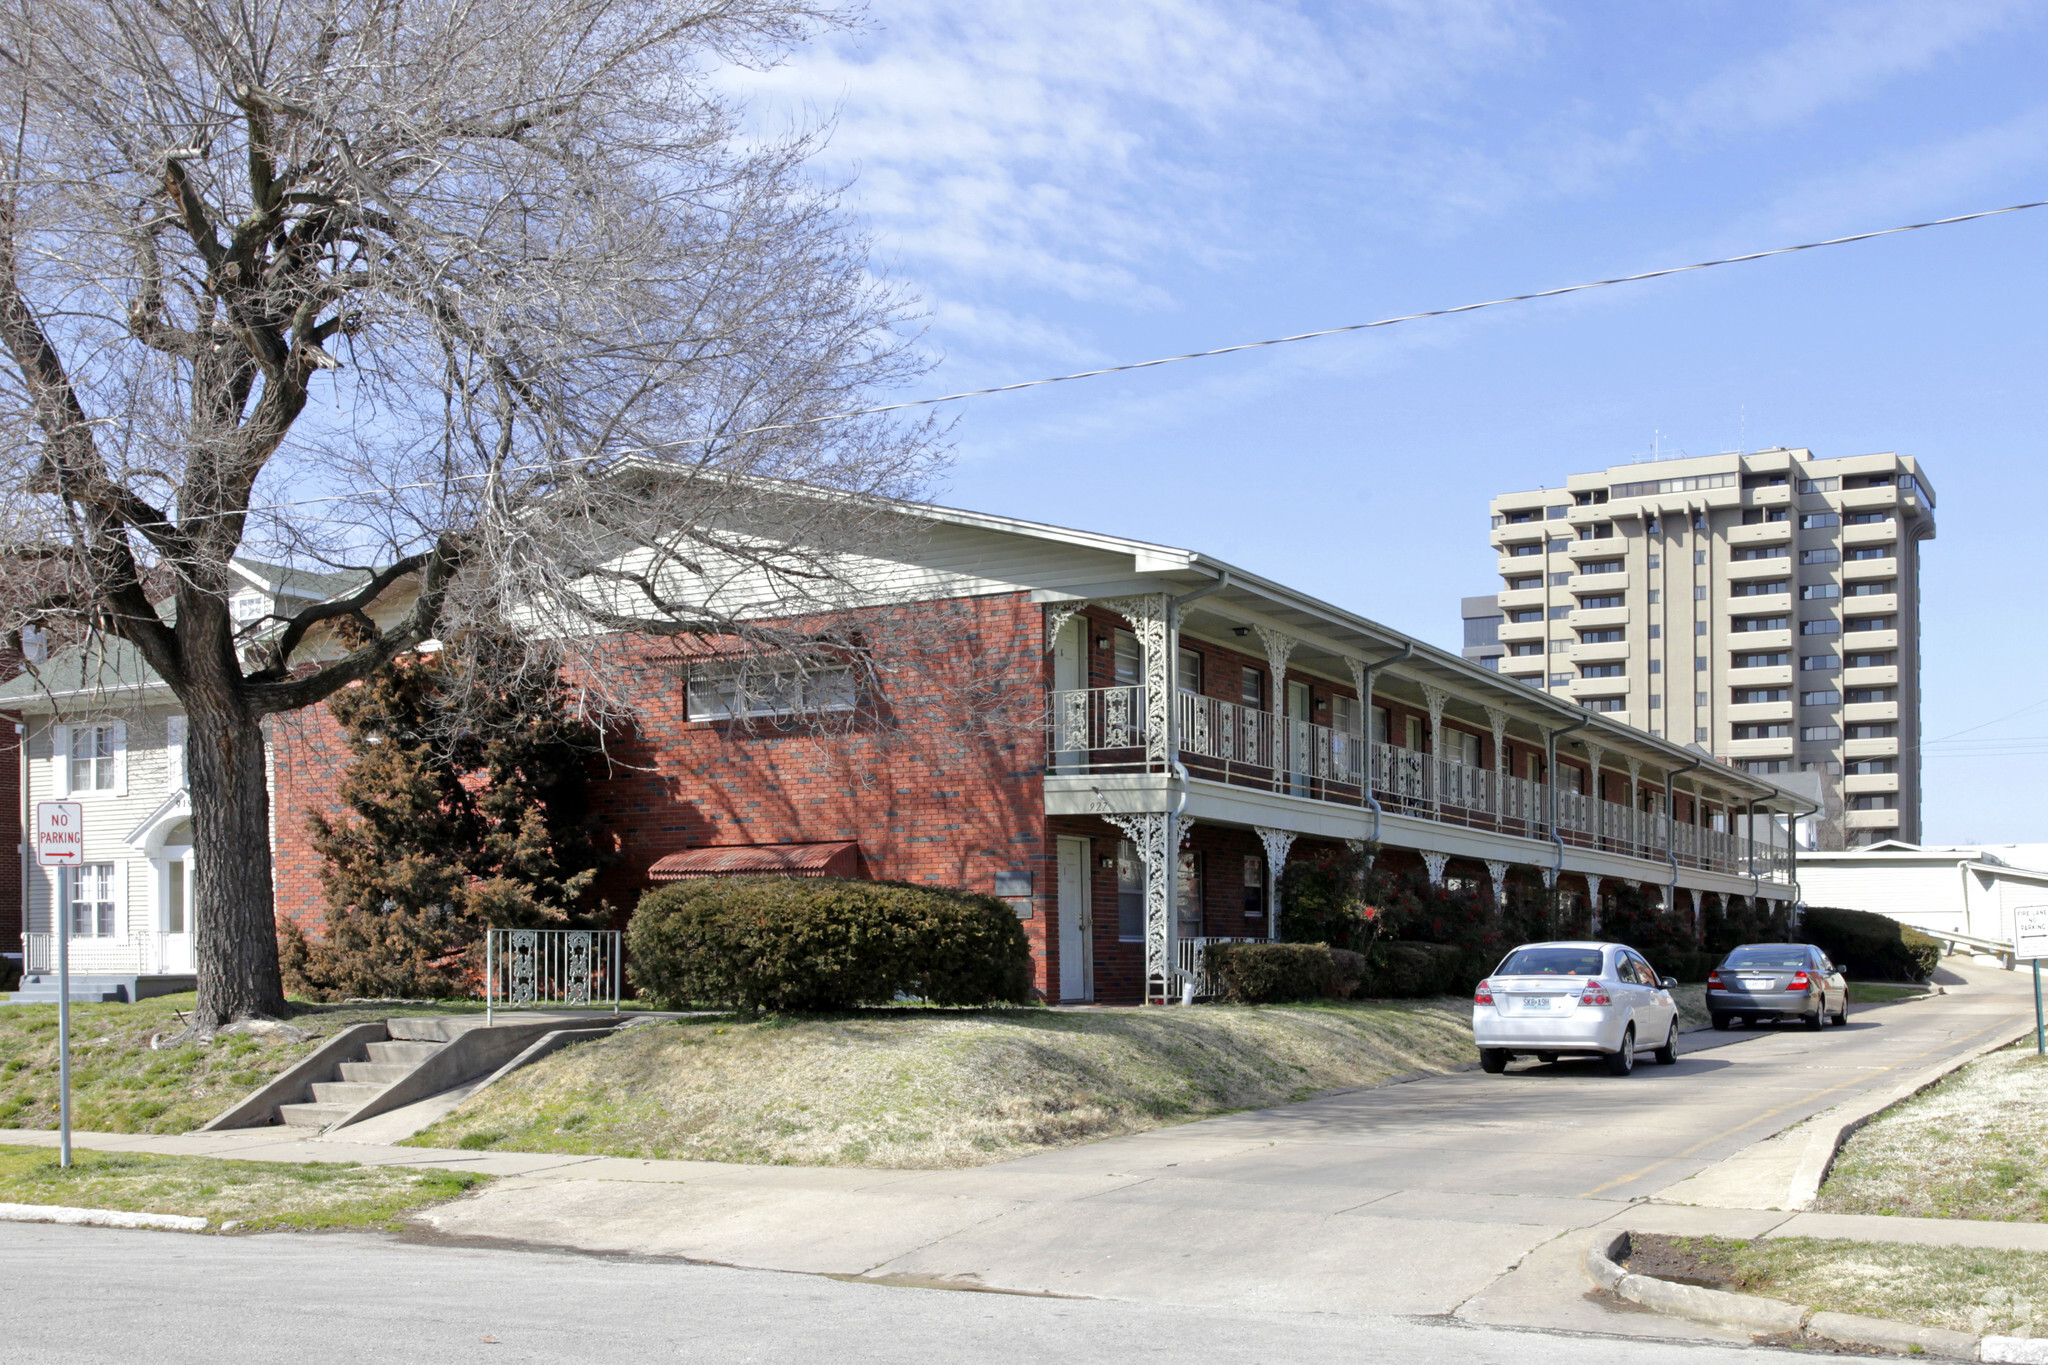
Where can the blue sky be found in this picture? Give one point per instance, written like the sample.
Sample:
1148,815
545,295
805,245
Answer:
1067,183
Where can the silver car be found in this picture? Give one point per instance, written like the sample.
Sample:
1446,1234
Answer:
1551,1000
1763,982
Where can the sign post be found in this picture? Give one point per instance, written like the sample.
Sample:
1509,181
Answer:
2030,944
60,843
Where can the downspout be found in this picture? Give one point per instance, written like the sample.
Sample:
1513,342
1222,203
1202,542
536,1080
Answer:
1550,775
1749,840
27,815
1671,829
1365,702
1792,859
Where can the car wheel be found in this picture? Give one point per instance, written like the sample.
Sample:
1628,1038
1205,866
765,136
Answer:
1493,1060
1842,1014
1667,1055
1818,1020
1623,1060
1547,1058
1724,1022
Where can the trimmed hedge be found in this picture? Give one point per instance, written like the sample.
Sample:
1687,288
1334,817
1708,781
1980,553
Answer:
1414,970
1869,946
1273,973
824,943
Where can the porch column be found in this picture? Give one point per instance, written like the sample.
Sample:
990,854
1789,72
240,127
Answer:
1635,805
1147,617
1593,880
1278,647
1363,848
1158,836
1277,842
1597,810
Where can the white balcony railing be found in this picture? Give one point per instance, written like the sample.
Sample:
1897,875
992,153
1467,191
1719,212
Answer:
1102,730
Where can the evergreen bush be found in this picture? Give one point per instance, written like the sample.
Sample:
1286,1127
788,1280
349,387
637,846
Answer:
1870,947
1275,973
798,944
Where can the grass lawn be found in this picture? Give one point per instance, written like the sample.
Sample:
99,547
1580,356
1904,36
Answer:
942,1088
1882,993
1975,1146
248,1196
1964,1289
118,1085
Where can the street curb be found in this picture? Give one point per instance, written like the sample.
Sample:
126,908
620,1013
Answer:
1825,1143
1755,1313
99,1218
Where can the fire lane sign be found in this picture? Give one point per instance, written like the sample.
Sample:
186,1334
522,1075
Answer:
2030,932
60,833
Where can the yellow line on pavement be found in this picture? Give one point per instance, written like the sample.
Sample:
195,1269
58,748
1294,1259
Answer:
1770,1113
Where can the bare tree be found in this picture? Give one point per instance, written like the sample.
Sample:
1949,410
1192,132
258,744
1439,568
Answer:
489,300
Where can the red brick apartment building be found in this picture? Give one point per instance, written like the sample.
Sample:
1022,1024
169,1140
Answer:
1129,741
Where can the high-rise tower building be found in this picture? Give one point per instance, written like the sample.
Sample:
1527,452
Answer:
1763,606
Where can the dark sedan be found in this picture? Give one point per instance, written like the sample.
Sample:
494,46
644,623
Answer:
1761,982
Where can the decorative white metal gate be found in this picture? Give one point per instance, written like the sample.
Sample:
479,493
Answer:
560,968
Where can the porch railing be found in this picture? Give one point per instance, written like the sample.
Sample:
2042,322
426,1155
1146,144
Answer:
38,953
563,968
1194,961
1103,730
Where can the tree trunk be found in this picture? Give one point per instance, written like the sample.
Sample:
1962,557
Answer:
235,929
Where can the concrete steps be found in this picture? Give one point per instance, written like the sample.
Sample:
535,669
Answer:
412,1042
376,1073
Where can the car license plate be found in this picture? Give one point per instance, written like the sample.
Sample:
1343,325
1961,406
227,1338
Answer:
1536,1002
1759,983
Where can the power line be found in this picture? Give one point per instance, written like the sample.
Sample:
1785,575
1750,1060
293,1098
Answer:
849,414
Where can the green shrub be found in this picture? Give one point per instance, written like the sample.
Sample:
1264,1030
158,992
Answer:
1272,973
1414,970
1689,966
823,943
1868,946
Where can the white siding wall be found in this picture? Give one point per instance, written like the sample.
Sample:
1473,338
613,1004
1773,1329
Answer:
109,817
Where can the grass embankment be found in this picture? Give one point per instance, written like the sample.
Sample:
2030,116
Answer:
1881,993
932,1088
238,1196
1975,1146
1964,1289
119,1085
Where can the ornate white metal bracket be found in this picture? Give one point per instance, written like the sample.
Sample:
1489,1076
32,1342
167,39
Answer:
1147,832
1435,863
1593,880
1147,617
1499,720
1499,872
1056,617
1278,843
1279,647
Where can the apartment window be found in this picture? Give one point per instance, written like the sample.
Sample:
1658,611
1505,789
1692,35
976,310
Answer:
1188,900
1656,665
1818,521
1650,525
1590,497
1832,767
1524,551
1129,660
1702,698
1815,734
1699,627
1870,481
1765,766
1490,664
1859,696
1482,630
1758,661
1753,696
1656,561
1744,624
92,899
1526,615
727,693
1815,592
1656,596
1699,556
1560,679
1558,547
1525,649
1699,734
1819,663
1190,665
1763,587
1559,613
1254,887
1882,659
1601,566
1600,603
1517,518
1871,767
1600,637
1829,626
1881,730
95,753
1761,552
1558,513
1656,632
1867,518
1874,801
1876,587
1760,731
1558,580
1696,484
1382,725
1602,670
1825,556
1819,485
1699,592
1763,480
1598,530
1830,697
1857,623
1699,664
1560,646
1130,893
1346,715
1464,748
1604,703
1656,701
1525,581
1251,683
1415,734
1762,516
1870,552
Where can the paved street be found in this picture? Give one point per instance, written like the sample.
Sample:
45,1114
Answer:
92,1294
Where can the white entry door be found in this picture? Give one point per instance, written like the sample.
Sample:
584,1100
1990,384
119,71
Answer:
1077,966
174,911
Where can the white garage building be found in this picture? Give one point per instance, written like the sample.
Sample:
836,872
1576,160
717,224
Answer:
1968,891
